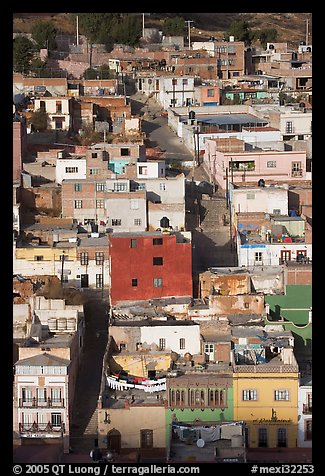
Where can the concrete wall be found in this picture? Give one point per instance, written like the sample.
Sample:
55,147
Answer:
62,165
265,199
142,417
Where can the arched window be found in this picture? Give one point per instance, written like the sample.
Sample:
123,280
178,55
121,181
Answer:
216,397
202,397
178,397
171,397
197,397
182,397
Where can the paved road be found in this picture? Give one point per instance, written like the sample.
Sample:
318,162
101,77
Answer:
156,126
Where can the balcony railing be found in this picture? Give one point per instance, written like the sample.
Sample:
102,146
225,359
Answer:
296,173
41,428
41,402
307,409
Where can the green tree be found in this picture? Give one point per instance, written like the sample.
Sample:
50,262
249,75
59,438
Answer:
241,31
22,54
44,33
129,31
267,35
174,26
38,68
39,120
90,73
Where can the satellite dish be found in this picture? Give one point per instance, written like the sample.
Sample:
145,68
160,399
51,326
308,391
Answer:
200,443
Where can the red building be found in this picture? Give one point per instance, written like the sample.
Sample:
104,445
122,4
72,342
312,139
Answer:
150,265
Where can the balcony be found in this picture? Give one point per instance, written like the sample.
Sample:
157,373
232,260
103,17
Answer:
41,402
296,173
307,409
41,428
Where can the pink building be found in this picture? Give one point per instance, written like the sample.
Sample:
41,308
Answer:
250,167
19,146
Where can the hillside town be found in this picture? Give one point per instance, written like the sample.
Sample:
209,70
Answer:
162,252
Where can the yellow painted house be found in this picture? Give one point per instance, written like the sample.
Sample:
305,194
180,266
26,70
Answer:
266,398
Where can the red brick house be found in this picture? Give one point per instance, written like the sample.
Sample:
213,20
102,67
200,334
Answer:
150,265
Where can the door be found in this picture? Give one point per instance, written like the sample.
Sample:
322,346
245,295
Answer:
285,255
209,352
114,441
84,280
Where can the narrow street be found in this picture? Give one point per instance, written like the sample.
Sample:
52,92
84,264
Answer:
84,422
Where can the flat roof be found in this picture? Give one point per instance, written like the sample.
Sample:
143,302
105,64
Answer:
154,323
233,118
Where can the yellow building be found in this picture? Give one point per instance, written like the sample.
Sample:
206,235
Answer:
266,398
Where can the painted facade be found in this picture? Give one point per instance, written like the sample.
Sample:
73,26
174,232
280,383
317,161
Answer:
143,267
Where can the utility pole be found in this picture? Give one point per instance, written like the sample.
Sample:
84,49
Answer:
62,269
189,32
307,33
77,30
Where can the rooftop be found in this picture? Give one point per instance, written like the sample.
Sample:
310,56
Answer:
43,360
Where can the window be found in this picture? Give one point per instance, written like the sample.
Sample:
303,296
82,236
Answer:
162,344
99,256
65,278
78,203
120,187
296,169
134,282
58,107
77,187
208,348
157,282
250,196
94,155
141,186
137,222
185,82
146,438
210,93
182,344
100,187
162,186
134,204
84,259
289,127
157,241
56,396
281,395
100,203
125,151
271,164
38,258
143,170
300,137
157,261
99,281
308,430
246,305
276,211
249,395
93,171
56,419
262,438
27,395
282,438
116,222
258,256
133,243
71,170
174,82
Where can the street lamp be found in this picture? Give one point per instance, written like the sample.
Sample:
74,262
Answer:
62,265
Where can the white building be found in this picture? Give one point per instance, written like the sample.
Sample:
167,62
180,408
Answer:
59,110
67,169
148,170
305,418
176,91
269,199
